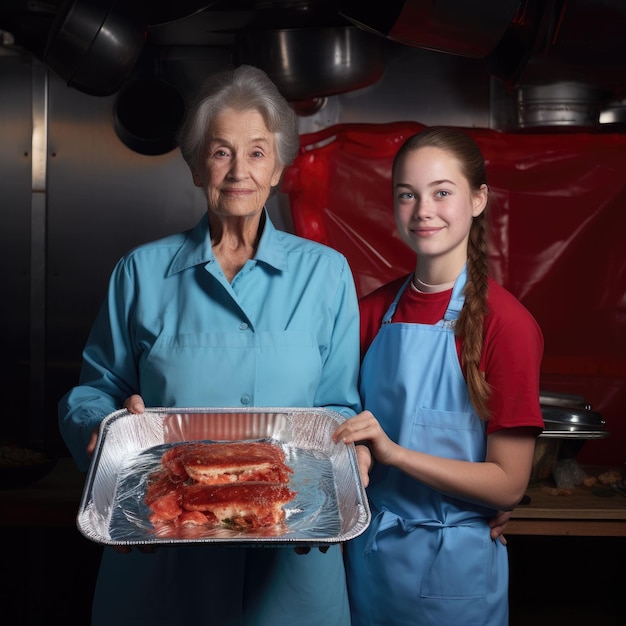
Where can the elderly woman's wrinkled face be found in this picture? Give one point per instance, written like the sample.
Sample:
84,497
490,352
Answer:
240,164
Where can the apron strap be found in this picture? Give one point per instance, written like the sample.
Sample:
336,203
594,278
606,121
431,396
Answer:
458,298
454,306
392,308
387,519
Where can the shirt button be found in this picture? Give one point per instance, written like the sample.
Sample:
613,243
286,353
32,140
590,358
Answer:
243,326
245,399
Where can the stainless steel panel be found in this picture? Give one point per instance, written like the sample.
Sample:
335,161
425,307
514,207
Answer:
15,240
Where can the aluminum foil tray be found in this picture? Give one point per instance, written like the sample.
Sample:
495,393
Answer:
330,505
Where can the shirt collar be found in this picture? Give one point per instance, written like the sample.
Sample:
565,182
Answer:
197,248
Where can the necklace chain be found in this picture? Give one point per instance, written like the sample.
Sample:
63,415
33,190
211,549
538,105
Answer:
430,288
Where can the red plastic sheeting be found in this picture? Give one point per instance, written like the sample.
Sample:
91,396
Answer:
558,243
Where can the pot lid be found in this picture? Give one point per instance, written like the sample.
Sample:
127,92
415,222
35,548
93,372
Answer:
567,415
572,423
554,416
563,399
574,434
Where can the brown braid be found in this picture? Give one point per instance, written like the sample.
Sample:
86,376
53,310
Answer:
470,324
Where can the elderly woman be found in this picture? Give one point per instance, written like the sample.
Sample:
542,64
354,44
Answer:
231,313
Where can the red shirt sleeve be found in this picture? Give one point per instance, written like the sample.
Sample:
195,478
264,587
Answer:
512,350
512,353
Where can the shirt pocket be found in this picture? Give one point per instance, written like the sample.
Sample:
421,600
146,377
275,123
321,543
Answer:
231,369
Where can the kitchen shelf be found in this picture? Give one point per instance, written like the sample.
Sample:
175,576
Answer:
588,511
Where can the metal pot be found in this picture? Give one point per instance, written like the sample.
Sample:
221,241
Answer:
307,63
559,104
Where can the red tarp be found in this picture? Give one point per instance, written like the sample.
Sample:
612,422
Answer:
558,217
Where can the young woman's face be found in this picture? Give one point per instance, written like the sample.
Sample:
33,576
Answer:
240,165
434,205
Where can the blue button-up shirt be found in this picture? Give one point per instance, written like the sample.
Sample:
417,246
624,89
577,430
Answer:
285,332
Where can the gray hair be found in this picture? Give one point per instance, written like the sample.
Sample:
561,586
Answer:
243,89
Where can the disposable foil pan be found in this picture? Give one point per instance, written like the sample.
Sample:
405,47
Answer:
330,505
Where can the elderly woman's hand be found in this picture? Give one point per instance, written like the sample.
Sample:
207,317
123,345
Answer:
135,404
91,446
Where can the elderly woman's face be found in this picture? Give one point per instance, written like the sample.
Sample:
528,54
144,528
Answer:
240,165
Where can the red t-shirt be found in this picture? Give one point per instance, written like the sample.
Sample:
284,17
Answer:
512,348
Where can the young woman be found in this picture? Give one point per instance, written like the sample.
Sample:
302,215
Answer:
450,392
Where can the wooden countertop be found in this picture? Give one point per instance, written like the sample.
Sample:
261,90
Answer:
587,511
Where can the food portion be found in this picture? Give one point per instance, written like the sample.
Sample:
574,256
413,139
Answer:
242,505
240,485
217,463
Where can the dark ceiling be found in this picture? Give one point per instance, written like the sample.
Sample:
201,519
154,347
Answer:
520,41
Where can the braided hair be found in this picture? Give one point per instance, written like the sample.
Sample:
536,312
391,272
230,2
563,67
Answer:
470,325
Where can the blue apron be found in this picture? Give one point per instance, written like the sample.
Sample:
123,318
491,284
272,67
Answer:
427,559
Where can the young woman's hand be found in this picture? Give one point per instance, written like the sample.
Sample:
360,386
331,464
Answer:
364,428
498,525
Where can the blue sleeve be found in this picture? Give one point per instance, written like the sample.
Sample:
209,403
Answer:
108,374
338,388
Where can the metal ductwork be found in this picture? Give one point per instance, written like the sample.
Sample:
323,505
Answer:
93,45
564,63
469,29
521,41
